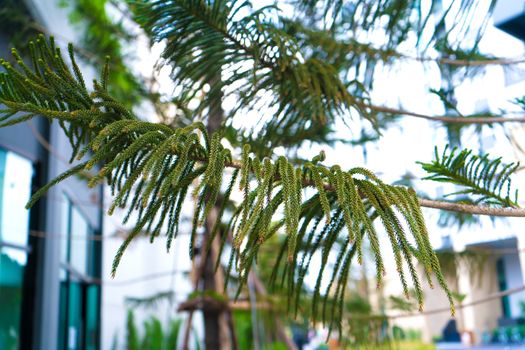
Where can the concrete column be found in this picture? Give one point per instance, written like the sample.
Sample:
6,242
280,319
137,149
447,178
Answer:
47,331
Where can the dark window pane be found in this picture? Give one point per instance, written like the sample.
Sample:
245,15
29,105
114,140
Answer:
75,326
92,316
15,189
62,317
11,277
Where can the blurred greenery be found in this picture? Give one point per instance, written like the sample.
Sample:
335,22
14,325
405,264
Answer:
243,326
103,37
153,335
16,22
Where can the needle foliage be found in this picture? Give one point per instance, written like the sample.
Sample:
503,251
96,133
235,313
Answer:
151,168
488,180
306,74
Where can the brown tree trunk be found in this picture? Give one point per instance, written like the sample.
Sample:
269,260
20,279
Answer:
203,272
215,322
211,317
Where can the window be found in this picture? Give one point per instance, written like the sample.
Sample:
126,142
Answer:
79,247
502,283
79,292
16,174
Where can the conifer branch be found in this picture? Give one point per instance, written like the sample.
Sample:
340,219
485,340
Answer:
486,179
150,168
499,61
326,43
205,38
311,85
425,202
255,54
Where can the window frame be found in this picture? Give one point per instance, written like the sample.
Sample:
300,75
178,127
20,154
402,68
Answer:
70,277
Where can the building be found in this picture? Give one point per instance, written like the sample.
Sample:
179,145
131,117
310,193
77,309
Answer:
50,263
487,269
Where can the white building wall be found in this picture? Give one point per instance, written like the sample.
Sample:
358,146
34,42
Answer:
54,20
153,270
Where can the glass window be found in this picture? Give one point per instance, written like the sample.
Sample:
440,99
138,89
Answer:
79,307
75,245
79,242
65,207
92,316
16,173
16,191
11,276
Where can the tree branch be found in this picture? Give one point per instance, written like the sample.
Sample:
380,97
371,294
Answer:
444,118
500,61
443,205
472,209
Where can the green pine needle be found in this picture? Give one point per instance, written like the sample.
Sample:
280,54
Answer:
151,167
489,180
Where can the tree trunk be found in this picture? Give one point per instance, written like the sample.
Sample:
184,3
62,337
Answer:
215,321
211,317
215,324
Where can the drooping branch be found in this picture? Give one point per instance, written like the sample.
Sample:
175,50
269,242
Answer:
443,205
151,167
437,204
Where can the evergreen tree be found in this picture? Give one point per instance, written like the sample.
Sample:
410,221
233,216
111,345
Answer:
302,72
